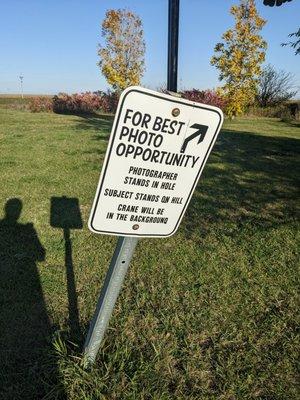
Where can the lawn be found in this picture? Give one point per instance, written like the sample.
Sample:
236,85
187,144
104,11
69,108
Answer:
209,313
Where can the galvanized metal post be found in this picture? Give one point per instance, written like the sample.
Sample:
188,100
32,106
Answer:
173,45
109,294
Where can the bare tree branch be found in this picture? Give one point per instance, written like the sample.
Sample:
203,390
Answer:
275,87
296,43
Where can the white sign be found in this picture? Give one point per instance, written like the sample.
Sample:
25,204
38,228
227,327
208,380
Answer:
157,150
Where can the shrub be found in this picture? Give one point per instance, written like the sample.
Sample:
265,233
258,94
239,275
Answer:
41,104
109,101
294,107
85,103
210,97
286,115
281,111
78,103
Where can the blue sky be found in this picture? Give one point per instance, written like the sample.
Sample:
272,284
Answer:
53,43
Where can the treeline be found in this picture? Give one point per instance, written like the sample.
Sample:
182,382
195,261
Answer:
106,102
272,100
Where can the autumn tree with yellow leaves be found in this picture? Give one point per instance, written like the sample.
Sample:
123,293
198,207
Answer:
239,57
122,56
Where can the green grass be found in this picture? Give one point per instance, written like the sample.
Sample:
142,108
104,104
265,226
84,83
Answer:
210,313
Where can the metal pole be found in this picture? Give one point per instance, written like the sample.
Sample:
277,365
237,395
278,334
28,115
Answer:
173,45
109,294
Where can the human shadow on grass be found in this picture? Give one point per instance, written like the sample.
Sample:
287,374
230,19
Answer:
65,214
248,179
27,368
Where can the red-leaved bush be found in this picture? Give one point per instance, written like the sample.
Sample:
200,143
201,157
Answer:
84,103
208,96
40,104
109,101
106,102
78,103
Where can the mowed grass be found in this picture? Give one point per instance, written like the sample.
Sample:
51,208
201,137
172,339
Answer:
209,313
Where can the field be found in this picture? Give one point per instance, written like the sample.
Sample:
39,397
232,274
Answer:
209,313
16,102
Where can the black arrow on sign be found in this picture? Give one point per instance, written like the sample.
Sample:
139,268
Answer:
201,132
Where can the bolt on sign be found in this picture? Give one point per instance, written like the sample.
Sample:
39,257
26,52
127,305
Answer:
157,150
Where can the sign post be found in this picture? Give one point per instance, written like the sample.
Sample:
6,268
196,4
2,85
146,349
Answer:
173,28
157,150
108,296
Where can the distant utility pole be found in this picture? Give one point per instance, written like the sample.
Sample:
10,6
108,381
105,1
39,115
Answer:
21,81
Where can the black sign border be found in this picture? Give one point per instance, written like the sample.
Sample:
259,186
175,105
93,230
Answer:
120,108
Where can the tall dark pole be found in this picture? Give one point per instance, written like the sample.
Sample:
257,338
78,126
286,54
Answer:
173,45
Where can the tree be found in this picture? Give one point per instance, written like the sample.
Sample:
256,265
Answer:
296,43
275,87
239,57
122,57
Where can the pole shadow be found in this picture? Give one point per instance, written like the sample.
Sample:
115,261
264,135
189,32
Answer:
65,214
27,368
